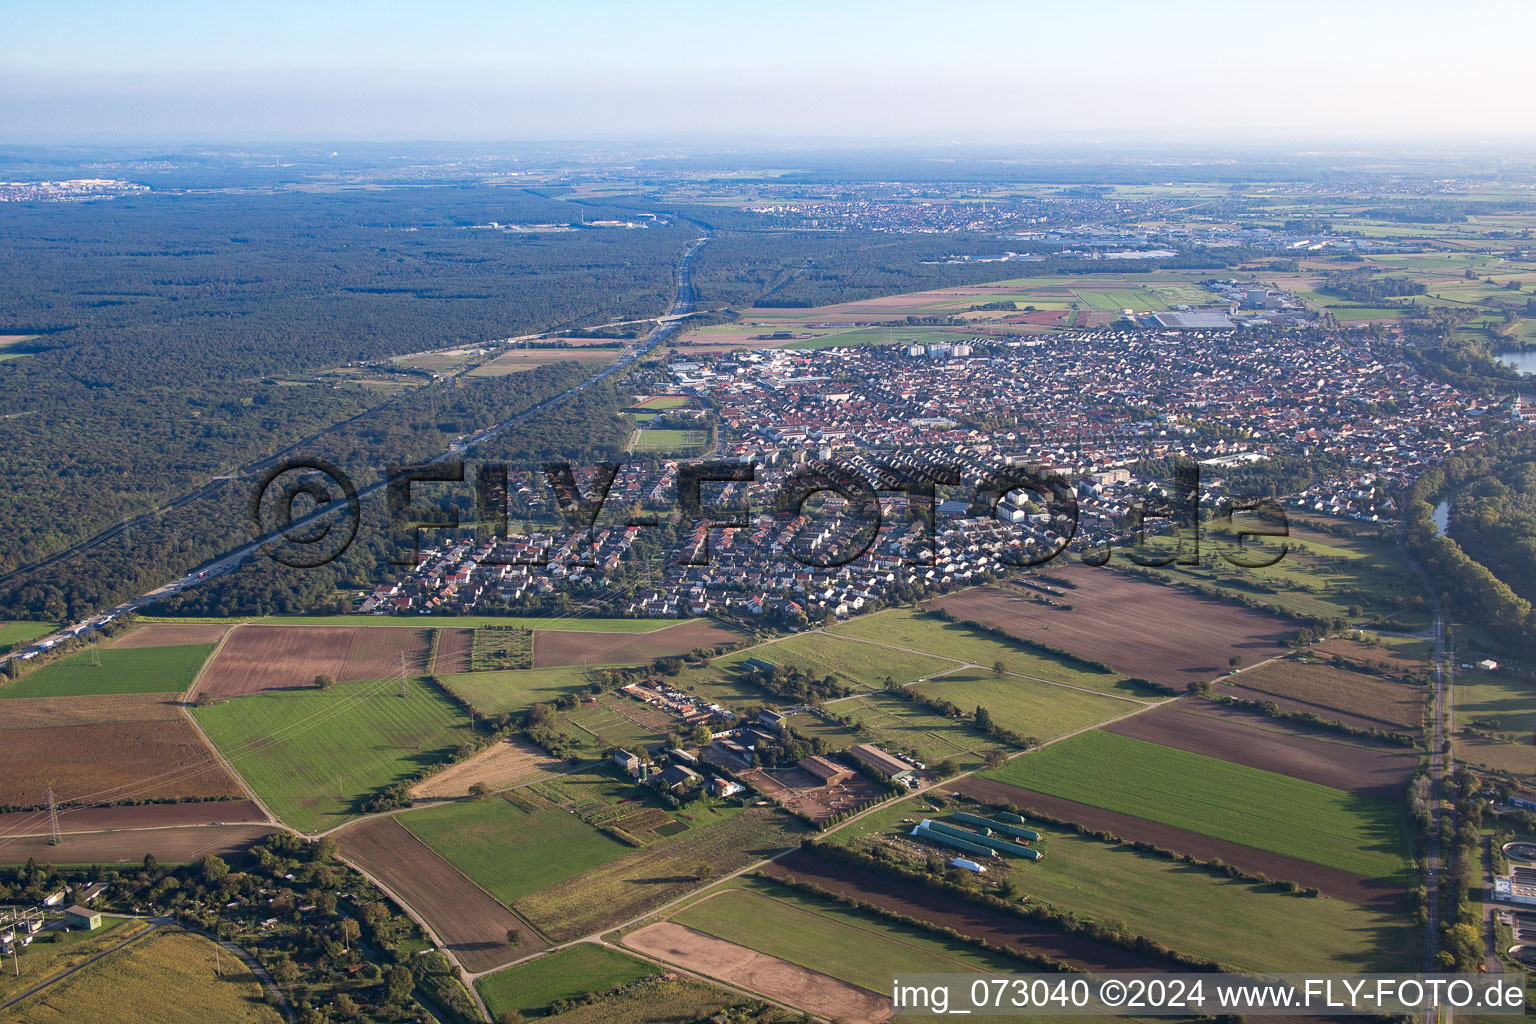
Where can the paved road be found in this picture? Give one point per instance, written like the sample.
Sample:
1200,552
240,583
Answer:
681,306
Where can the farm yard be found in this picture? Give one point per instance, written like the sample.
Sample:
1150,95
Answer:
569,973
1217,798
1246,738
100,671
258,658
1360,699
1140,628
553,648
94,750
469,922
314,755
170,970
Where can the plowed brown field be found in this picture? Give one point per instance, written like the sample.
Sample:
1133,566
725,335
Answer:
259,657
1152,630
468,921
553,647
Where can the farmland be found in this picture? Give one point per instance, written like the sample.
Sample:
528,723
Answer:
554,648
1356,698
70,949
110,670
19,634
643,879
130,816
312,755
468,921
1025,706
774,977
517,690
854,664
509,762
1246,738
575,623
455,649
1140,628
1216,798
566,974
104,750
512,851
258,658
1235,922
171,970
170,634
174,845
897,724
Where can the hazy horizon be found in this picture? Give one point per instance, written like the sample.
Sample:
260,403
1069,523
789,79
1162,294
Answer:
1186,72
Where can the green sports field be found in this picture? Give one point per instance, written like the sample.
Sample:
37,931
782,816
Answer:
511,852
313,756
664,439
127,670
1220,799
565,974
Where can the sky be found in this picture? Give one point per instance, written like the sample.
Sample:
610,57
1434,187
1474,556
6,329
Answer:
84,71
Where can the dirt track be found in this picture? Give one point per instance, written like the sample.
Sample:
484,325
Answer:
1156,631
1342,884
1258,742
553,647
758,972
470,923
256,657
97,819
169,845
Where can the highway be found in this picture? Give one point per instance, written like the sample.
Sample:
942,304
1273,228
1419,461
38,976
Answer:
681,306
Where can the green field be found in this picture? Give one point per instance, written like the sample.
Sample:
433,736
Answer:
723,838
508,851
20,634
314,755
565,974
822,654
126,670
1220,799
821,935
664,439
1030,708
916,631
1233,922
569,623
515,689
602,725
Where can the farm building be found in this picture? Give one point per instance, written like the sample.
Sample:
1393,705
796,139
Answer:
888,766
83,918
676,776
772,719
828,773
627,761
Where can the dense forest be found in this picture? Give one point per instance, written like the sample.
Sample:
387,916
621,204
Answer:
166,322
